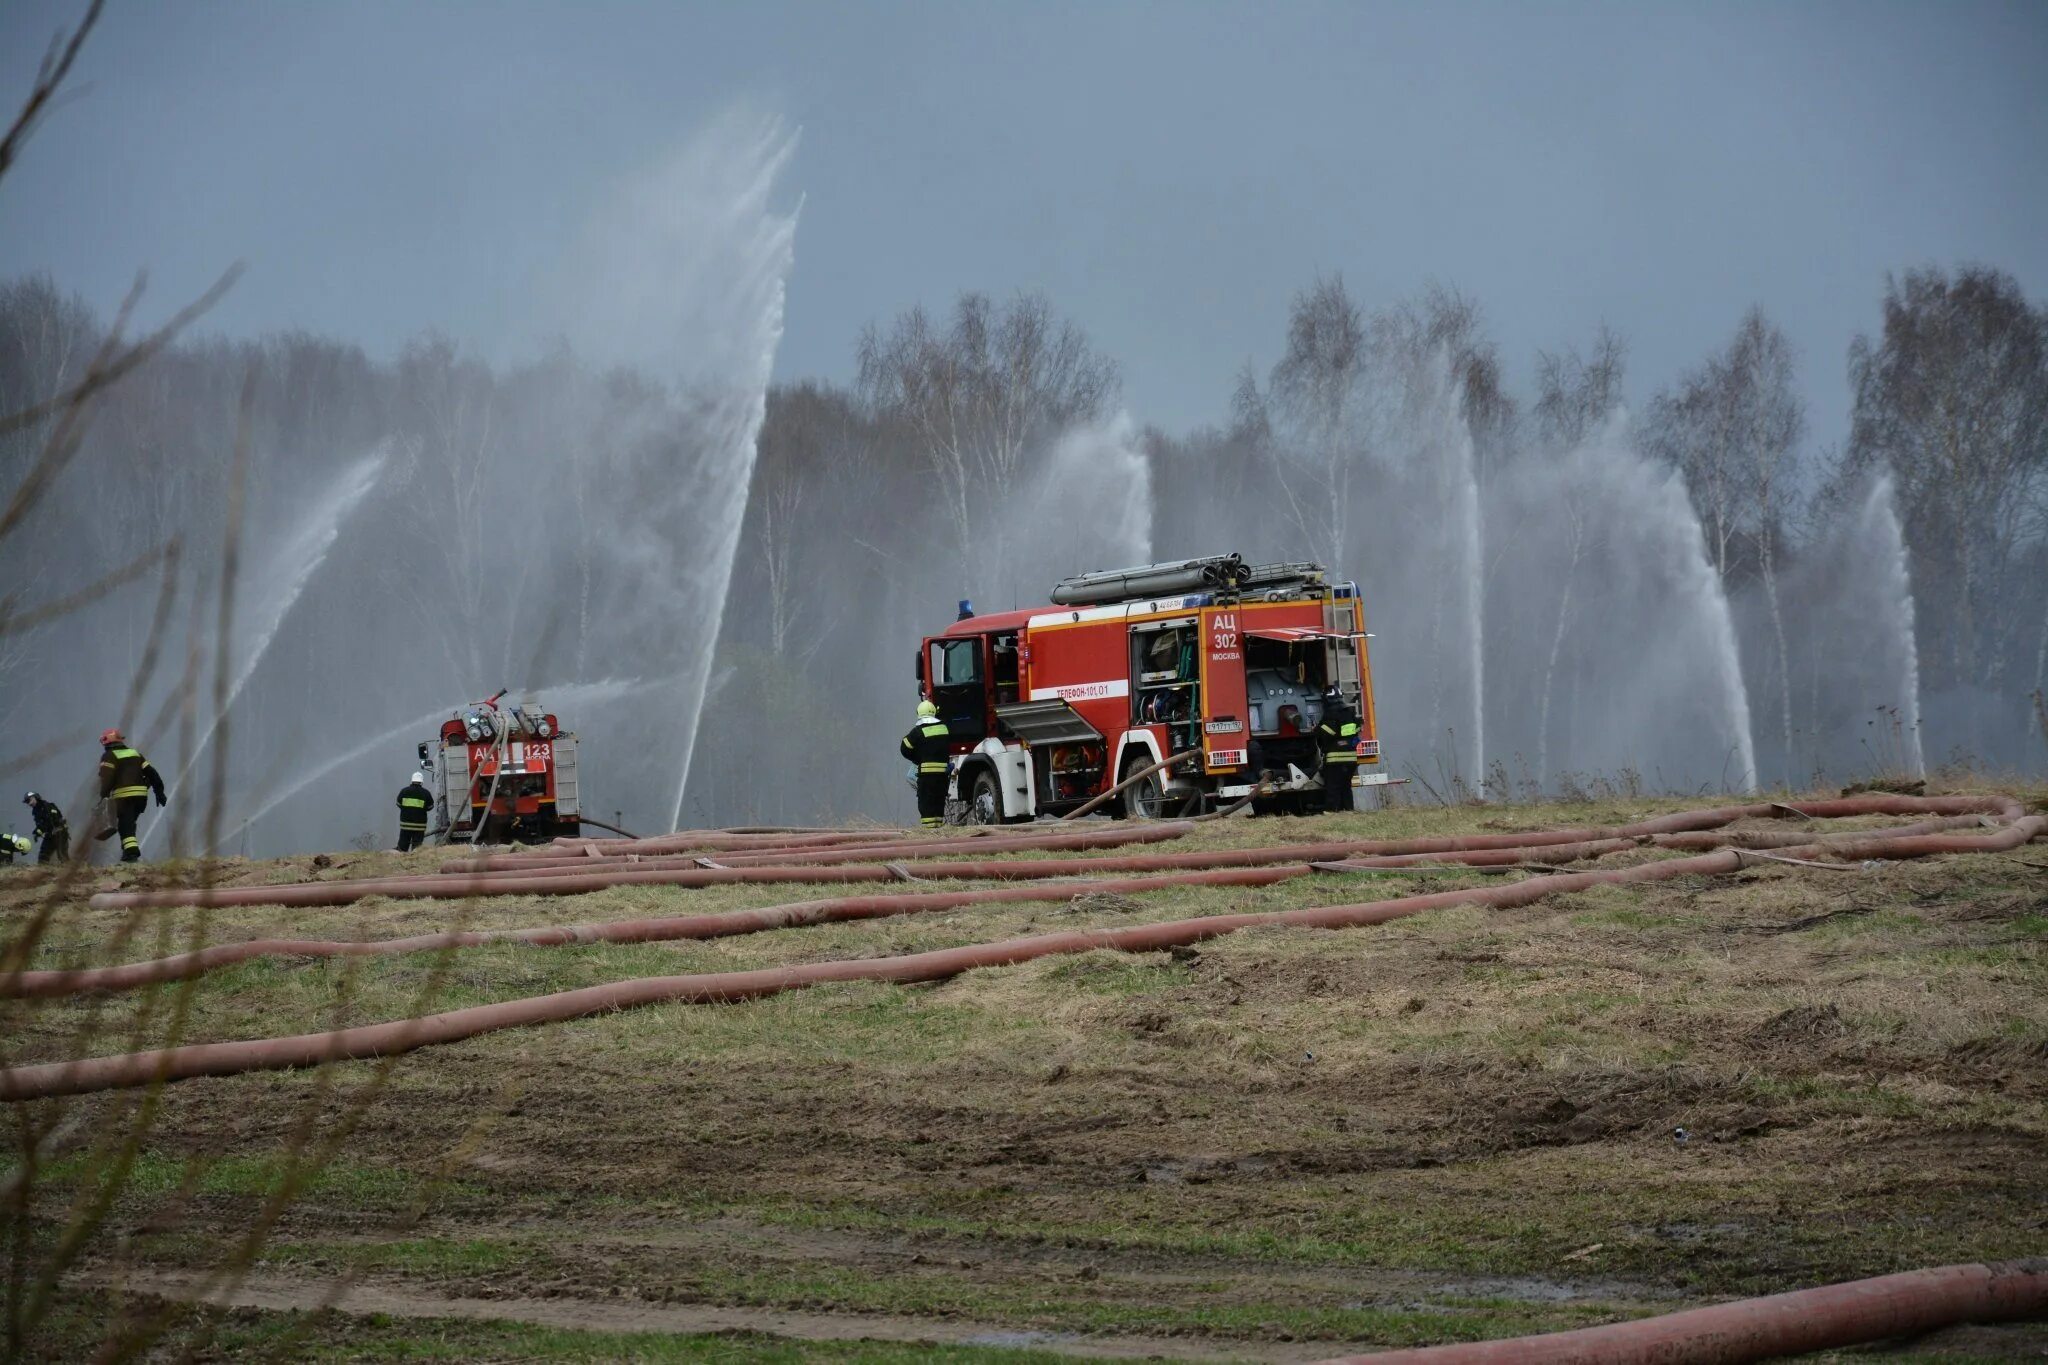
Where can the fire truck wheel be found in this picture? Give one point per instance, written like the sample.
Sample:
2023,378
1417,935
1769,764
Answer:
1142,800
984,799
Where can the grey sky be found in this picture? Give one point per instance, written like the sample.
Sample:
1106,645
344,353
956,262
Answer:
1168,173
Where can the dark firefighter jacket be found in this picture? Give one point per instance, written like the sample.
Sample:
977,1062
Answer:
125,773
925,745
413,805
1337,736
47,817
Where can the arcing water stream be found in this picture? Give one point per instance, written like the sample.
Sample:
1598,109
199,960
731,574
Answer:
280,577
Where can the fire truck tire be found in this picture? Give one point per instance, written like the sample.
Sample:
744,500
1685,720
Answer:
984,805
1141,800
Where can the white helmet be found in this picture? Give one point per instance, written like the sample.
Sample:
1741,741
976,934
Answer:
419,777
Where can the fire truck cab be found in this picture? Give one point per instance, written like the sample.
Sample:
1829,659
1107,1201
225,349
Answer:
504,774
1212,658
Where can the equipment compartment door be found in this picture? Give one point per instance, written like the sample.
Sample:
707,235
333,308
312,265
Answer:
1226,737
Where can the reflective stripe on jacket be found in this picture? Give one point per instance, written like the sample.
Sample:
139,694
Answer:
413,805
1338,740
925,745
125,773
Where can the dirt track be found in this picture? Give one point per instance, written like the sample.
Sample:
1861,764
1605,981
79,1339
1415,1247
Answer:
272,1293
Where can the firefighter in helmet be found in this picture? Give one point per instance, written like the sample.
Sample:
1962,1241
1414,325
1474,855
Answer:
1337,737
50,828
414,801
926,746
127,780
13,846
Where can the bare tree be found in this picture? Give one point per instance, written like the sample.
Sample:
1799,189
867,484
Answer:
804,436
1448,325
1316,409
1769,422
1688,429
1575,394
452,403
1732,428
1952,397
999,382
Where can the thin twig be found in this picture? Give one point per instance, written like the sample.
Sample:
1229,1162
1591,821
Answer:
56,66
108,367
55,746
50,611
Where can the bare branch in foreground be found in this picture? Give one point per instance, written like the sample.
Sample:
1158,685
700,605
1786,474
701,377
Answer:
56,66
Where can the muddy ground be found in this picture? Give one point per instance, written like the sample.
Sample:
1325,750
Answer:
1274,1147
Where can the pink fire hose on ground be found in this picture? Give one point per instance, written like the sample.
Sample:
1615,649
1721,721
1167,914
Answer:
926,848
47,983
1836,1315
86,1075
601,850
181,966
688,872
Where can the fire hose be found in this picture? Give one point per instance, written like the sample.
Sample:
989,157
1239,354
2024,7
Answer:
578,878
878,851
689,873
565,850
1356,853
833,910
1836,1315
603,824
181,966
615,851
89,1075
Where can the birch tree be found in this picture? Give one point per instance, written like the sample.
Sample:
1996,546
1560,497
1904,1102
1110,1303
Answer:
979,398
1316,411
1576,396
1732,428
1952,398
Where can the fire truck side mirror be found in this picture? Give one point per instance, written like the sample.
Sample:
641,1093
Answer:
423,754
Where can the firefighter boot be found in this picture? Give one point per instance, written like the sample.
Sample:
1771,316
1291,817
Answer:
127,814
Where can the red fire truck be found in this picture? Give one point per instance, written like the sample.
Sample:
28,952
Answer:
507,769
1225,661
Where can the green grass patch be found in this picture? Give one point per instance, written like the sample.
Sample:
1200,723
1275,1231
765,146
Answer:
340,1182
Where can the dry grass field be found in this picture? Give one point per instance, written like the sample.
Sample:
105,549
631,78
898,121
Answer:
1272,1147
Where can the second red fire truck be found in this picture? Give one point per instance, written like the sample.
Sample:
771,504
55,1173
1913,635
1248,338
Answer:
504,774
1214,658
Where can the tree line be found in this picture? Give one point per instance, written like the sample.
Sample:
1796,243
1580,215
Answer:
981,452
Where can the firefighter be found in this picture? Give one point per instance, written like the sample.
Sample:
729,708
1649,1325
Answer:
1337,736
926,746
50,828
13,846
413,804
127,780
